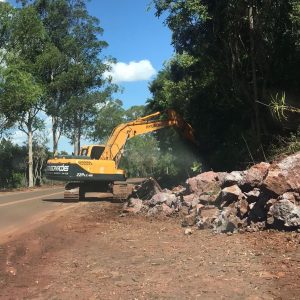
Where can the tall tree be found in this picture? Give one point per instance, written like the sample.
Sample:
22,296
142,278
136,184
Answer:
110,115
72,69
21,91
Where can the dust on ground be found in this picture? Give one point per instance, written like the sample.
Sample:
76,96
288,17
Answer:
94,252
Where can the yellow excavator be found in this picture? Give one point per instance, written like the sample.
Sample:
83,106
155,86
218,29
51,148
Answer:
96,168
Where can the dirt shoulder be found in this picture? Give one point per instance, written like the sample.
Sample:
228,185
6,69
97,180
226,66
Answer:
91,252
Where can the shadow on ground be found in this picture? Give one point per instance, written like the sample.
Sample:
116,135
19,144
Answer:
87,199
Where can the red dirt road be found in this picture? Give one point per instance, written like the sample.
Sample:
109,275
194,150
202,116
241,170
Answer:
91,252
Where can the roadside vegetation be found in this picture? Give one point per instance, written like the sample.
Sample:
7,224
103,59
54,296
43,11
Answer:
234,76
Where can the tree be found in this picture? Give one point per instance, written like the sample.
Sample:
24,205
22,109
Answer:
21,92
71,68
87,70
110,115
229,55
12,164
52,63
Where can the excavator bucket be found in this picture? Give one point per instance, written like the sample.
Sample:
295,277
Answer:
142,188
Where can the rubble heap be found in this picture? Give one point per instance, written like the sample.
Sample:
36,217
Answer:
264,196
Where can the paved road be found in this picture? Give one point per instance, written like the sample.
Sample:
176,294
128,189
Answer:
21,209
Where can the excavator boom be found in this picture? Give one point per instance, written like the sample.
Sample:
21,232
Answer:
150,123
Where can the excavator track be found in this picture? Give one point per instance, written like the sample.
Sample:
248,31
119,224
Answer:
142,188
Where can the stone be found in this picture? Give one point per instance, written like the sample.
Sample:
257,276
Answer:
163,197
206,198
256,174
207,182
221,178
190,200
284,176
290,196
221,219
227,221
199,207
166,210
256,226
205,222
179,190
188,231
234,177
189,220
253,195
243,207
154,211
134,206
287,212
207,217
209,212
229,195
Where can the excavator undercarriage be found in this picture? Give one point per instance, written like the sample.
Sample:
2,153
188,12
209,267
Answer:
142,188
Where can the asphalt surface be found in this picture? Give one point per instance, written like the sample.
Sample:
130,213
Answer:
21,209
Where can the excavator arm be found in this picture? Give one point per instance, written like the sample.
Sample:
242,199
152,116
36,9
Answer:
116,142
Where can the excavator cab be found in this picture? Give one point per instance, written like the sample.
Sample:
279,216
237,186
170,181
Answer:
92,151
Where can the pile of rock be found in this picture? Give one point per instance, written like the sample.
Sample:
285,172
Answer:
264,196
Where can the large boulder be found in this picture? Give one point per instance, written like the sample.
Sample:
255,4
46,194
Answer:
284,176
207,183
287,212
256,174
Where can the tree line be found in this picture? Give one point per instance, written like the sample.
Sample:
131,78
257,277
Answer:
236,65
51,65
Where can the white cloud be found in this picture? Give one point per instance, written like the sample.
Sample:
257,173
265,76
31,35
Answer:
133,71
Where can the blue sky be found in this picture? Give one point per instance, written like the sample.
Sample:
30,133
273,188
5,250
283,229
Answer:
133,34
138,40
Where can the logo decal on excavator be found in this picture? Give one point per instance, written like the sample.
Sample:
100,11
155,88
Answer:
58,168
